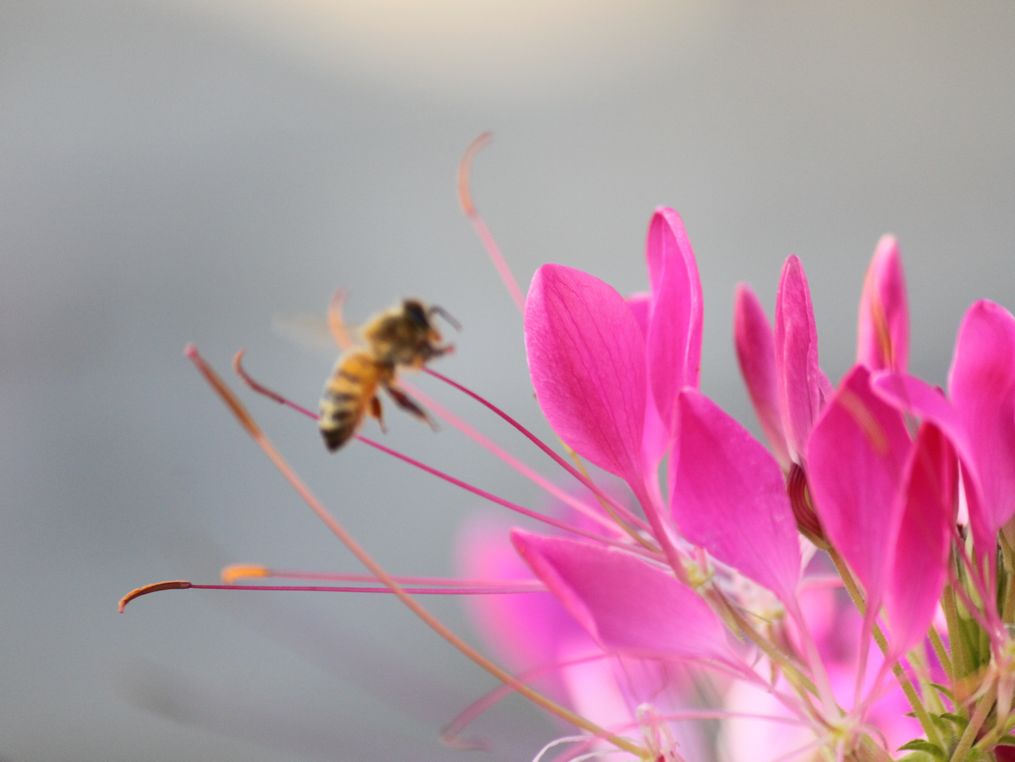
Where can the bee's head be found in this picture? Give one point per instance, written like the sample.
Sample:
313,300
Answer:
416,313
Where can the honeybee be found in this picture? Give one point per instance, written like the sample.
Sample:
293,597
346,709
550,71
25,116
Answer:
403,336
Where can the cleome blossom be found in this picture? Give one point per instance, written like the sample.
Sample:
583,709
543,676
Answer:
844,591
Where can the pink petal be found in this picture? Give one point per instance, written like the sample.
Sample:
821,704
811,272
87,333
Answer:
674,337
587,362
980,419
640,304
916,397
657,438
728,496
882,337
856,459
981,385
667,238
919,566
756,355
803,388
626,603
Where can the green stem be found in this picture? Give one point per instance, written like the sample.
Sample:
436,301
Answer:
983,707
1008,610
1000,730
942,654
961,658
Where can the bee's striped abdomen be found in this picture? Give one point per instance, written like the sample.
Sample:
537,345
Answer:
346,396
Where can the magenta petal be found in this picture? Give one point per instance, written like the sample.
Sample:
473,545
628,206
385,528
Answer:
856,458
919,566
981,385
803,388
756,354
918,398
674,335
640,304
667,239
882,337
587,362
627,604
657,437
728,496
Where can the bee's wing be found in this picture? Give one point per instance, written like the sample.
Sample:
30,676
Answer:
308,332
313,333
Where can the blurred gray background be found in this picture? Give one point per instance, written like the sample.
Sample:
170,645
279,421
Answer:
188,170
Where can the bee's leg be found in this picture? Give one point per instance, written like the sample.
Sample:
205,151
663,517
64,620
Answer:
430,352
377,412
407,404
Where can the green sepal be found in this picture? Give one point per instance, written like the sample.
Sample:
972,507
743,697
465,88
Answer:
926,747
957,720
944,690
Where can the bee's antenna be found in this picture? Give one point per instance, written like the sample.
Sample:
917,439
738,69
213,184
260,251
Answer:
437,310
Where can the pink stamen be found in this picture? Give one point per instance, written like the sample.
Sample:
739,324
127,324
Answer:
547,450
813,656
265,391
798,752
185,585
532,585
451,733
689,715
479,224
557,524
585,509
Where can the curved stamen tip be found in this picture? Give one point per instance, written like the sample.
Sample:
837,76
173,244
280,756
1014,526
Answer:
465,170
154,587
336,322
190,350
230,574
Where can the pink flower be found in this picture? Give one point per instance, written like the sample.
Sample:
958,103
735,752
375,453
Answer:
636,617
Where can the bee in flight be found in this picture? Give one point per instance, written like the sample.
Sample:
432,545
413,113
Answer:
402,336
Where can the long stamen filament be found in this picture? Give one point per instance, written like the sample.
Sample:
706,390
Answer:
230,574
527,512
248,423
451,733
180,584
546,449
443,413
479,224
